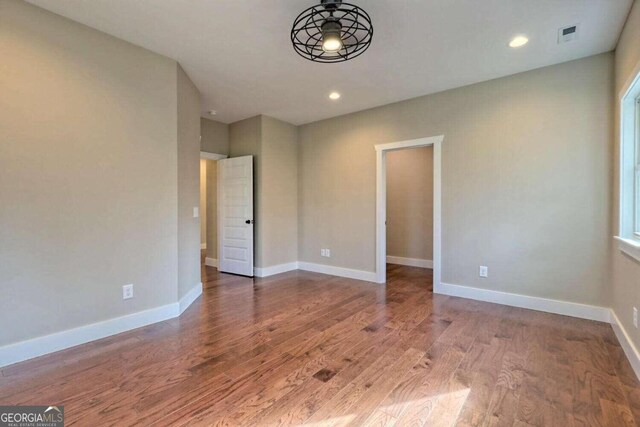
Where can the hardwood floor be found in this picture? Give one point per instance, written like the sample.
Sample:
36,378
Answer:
303,348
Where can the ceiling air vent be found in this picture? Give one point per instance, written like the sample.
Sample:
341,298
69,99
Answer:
567,34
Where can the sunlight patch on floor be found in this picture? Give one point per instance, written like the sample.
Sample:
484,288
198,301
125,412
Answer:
437,410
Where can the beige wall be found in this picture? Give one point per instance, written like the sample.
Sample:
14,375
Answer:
625,283
279,196
245,138
88,175
212,209
273,145
410,203
215,136
203,201
215,139
525,180
188,183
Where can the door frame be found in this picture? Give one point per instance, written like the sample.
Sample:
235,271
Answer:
381,204
212,156
211,262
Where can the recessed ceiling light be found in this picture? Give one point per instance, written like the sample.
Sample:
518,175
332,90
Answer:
334,95
518,41
212,112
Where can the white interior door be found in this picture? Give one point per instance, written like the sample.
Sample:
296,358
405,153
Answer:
235,215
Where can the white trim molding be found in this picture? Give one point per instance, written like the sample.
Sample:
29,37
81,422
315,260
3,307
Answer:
566,308
275,269
188,298
629,247
411,262
28,349
381,202
367,276
212,156
410,143
626,343
628,164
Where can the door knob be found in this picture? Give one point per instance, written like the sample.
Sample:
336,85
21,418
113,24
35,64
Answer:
249,221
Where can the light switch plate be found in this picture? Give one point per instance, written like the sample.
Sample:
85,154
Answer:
127,292
196,212
484,271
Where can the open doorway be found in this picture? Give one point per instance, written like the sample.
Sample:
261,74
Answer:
208,209
410,212
382,151
203,206
226,203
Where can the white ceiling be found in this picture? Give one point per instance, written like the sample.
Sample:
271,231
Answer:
239,54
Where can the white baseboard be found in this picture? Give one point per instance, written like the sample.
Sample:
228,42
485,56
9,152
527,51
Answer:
188,298
411,262
28,349
275,269
35,347
582,311
369,276
316,268
203,246
627,345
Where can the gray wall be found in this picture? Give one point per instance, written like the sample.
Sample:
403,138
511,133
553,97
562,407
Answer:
279,197
88,175
625,283
273,145
215,139
526,179
245,139
188,136
410,203
215,136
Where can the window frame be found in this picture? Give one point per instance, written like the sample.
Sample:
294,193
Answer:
636,177
629,190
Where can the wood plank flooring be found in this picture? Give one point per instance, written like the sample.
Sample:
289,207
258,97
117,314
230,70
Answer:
303,348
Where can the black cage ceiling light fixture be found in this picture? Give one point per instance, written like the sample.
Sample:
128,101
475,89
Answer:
332,31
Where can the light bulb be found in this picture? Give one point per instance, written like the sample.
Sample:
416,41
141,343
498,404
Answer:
331,40
331,43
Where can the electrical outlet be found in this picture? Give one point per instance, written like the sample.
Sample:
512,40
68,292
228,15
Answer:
322,252
127,291
484,271
635,317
